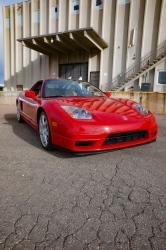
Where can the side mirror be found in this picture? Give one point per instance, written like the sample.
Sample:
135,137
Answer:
30,94
107,94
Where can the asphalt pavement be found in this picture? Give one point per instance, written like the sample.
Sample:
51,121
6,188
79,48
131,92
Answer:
52,200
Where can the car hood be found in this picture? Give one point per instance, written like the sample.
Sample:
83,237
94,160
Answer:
103,107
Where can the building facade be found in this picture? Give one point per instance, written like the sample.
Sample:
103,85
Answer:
98,40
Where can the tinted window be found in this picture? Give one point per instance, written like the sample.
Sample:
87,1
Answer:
7,22
20,20
55,12
37,88
69,88
37,16
98,4
162,77
124,1
75,7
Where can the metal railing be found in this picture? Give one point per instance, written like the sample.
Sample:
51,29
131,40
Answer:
139,66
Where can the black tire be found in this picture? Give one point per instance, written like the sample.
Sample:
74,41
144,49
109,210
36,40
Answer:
44,132
19,118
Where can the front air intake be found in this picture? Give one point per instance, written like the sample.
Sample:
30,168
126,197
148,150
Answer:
125,137
83,143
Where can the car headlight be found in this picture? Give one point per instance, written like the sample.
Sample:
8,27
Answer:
77,113
141,109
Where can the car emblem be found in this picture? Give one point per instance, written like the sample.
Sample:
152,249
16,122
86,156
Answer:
124,118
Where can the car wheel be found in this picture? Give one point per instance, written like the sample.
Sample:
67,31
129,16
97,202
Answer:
19,118
44,131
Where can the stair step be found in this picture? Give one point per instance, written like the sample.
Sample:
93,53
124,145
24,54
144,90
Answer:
137,74
163,55
144,69
127,81
123,83
159,58
148,66
113,89
155,61
151,64
140,71
134,76
130,79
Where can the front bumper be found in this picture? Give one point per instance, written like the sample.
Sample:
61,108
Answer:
82,153
96,145
97,135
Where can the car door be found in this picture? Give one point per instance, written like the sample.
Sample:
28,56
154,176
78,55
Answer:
31,105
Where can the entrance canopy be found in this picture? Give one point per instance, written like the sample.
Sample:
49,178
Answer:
75,40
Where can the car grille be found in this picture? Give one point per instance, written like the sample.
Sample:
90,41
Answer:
124,137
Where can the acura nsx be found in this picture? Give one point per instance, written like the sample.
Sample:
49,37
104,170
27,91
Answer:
76,116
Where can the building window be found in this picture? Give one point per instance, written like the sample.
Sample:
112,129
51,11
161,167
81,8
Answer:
7,22
162,77
37,16
20,20
124,1
98,4
75,7
19,87
55,12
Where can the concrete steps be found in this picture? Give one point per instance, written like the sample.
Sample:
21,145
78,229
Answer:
144,70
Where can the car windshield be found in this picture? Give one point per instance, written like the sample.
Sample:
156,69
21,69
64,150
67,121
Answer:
69,88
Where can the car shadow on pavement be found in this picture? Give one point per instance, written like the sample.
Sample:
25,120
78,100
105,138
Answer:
26,133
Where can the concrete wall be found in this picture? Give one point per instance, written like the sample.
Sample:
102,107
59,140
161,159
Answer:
8,97
114,22
155,102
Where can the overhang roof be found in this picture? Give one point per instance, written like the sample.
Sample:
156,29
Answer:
86,38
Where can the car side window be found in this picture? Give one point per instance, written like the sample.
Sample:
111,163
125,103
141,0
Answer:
37,88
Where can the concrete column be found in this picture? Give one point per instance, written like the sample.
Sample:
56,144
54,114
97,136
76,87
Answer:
151,24
82,10
135,23
63,15
162,33
32,18
150,32
16,37
121,38
12,41
89,65
85,13
132,10
115,38
103,79
69,15
4,47
33,53
61,9
49,15
42,17
26,51
161,38
92,12
90,54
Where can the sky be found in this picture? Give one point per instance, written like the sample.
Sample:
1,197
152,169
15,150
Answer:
3,3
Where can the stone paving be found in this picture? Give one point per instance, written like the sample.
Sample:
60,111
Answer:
115,200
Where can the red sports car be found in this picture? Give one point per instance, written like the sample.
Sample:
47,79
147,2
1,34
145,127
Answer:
76,116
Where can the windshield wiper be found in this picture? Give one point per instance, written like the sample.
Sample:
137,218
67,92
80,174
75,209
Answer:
54,96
